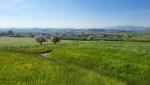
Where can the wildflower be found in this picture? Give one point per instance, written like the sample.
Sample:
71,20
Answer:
29,66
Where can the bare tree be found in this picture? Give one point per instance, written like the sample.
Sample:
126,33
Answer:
55,39
40,38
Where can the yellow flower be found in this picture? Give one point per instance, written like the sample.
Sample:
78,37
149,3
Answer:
29,66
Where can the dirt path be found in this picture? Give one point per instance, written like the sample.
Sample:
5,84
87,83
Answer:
44,55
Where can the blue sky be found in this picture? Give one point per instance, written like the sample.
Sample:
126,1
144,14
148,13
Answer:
74,13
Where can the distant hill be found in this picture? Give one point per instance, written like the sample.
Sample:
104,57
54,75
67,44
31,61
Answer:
63,30
130,28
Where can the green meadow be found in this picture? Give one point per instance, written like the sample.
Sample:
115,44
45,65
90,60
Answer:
73,62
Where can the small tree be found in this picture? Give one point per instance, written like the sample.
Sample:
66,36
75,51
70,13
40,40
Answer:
55,39
40,38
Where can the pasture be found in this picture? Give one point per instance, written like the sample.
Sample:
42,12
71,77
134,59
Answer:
16,41
74,62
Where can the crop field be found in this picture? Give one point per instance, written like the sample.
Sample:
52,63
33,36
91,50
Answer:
73,62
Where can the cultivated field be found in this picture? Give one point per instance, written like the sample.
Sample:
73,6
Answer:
74,62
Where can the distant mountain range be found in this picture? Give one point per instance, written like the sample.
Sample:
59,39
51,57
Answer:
130,28
106,29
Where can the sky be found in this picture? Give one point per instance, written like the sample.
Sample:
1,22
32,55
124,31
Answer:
74,13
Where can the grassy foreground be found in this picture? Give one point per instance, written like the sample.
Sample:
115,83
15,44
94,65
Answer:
74,63
128,61
25,69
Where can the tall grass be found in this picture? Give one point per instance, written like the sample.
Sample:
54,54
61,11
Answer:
74,63
29,69
127,61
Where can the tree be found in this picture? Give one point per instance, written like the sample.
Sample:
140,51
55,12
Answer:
10,33
40,38
55,39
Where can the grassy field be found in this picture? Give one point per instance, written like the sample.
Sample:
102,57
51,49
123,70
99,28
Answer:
74,62
16,41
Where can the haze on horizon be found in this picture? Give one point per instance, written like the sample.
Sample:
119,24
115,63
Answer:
74,13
